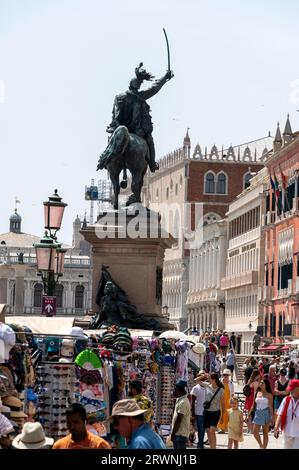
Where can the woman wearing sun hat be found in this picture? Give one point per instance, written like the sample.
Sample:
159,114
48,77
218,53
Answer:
288,417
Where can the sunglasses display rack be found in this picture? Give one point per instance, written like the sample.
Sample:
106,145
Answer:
165,395
56,390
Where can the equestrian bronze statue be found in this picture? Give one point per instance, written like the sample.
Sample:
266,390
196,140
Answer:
131,145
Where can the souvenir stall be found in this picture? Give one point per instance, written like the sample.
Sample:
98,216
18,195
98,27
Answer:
95,368
16,374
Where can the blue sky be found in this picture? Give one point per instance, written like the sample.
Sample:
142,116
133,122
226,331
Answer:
63,61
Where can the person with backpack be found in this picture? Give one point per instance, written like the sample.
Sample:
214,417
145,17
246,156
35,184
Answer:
288,417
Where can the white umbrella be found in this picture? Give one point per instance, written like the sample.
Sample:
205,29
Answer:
173,334
199,348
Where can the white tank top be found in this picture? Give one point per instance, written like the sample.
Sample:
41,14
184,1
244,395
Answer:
262,403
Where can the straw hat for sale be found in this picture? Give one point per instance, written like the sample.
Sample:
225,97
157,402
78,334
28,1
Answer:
32,437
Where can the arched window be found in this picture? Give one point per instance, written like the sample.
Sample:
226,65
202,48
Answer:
59,295
246,180
210,183
167,193
37,295
157,193
79,295
176,189
221,183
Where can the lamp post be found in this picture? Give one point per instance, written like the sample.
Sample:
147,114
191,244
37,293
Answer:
165,312
49,253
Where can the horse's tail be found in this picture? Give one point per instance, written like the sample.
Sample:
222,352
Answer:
116,146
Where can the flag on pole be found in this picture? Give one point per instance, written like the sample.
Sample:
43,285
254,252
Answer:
272,184
283,179
285,189
276,185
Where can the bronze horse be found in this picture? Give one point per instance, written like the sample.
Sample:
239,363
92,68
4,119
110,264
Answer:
125,151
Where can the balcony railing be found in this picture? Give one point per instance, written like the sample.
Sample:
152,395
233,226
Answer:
281,293
242,279
267,294
269,218
30,259
245,238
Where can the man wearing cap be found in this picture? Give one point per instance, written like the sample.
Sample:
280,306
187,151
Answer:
128,420
288,417
180,429
198,394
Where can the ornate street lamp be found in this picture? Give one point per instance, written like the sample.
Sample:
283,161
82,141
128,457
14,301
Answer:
49,253
165,312
59,262
53,210
46,254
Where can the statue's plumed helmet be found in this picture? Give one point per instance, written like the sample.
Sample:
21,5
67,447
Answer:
142,74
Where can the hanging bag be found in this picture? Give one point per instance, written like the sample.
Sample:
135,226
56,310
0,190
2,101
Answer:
207,403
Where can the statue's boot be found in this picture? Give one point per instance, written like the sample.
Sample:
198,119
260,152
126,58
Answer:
153,165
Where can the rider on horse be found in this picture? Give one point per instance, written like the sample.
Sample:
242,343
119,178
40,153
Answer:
130,109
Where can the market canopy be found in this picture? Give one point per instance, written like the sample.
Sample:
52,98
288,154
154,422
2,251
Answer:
44,325
140,333
173,334
274,347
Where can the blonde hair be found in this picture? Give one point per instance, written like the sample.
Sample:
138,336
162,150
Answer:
234,399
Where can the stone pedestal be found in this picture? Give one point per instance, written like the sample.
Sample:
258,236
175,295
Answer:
132,243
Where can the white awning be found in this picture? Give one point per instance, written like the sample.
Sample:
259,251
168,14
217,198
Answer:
141,333
44,325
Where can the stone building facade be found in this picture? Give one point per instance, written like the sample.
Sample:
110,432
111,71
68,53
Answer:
21,288
205,299
244,262
193,188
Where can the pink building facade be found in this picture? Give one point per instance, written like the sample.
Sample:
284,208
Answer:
280,296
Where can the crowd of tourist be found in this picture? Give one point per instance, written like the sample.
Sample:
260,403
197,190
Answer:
270,384
210,405
269,402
